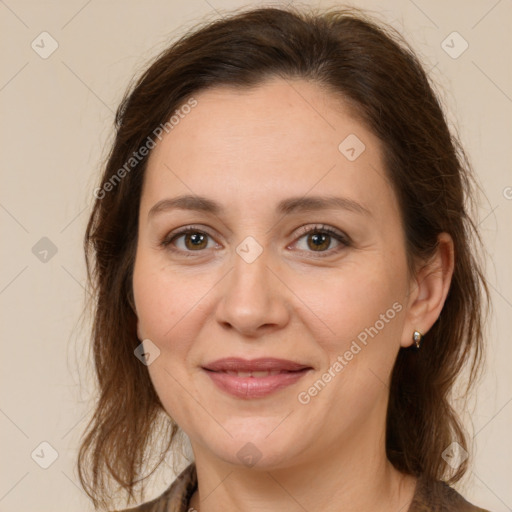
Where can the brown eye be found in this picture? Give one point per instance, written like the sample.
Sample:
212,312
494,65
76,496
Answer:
187,241
322,240
194,241
319,241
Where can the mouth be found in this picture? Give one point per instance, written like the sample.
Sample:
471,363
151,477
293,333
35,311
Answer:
257,378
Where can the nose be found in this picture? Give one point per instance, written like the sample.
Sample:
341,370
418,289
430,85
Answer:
253,300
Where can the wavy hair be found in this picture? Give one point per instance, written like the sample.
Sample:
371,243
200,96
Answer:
368,65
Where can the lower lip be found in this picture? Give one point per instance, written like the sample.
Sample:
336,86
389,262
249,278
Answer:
254,387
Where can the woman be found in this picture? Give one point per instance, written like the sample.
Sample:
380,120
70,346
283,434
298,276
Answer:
281,261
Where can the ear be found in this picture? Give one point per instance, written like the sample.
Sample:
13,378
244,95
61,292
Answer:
428,290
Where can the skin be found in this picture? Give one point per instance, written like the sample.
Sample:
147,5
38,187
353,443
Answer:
248,150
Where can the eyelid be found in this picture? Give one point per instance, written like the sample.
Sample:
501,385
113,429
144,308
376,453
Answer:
189,228
342,239
322,228
168,239
300,232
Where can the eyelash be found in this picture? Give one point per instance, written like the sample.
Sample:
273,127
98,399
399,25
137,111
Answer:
344,240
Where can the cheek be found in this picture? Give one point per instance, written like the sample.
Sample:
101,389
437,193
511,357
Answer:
164,299
166,305
361,317
352,301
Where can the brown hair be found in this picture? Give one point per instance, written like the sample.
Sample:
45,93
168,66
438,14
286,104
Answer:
368,65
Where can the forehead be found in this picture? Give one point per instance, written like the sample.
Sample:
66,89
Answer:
284,137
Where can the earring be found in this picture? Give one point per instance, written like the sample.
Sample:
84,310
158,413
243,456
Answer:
417,337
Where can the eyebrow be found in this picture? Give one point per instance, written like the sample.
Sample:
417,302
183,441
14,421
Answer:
284,207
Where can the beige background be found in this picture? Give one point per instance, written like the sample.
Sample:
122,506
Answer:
57,116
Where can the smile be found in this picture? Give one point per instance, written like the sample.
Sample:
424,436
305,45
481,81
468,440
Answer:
254,379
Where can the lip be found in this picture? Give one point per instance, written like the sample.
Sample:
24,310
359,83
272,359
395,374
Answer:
237,364
284,373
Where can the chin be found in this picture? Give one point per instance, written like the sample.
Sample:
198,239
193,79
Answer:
258,451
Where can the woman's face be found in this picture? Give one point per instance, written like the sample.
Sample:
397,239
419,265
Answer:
324,312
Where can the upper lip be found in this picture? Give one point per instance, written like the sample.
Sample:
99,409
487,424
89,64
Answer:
236,364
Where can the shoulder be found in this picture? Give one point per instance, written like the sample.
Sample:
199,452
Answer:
173,499
439,497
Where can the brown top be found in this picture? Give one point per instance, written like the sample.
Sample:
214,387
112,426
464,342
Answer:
437,497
